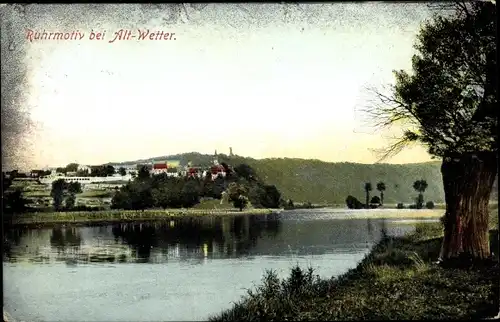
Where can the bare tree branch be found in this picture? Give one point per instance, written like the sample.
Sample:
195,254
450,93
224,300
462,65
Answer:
395,148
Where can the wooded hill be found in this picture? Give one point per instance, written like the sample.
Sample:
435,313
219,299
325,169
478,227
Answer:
324,182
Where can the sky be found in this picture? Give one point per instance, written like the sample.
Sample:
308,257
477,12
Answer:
268,80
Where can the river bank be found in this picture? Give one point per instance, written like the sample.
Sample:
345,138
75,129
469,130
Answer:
396,280
114,216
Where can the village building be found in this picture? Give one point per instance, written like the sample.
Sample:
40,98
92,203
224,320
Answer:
195,172
217,170
83,168
158,168
48,180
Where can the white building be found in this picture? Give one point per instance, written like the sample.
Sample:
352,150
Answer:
83,168
84,180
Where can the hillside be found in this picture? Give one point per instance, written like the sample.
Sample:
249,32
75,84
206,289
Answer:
324,182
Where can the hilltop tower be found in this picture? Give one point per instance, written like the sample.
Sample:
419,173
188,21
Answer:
230,151
216,161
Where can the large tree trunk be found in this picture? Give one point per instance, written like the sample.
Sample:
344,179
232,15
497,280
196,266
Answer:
468,180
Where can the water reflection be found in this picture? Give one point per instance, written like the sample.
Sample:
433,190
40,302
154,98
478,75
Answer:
106,273
181,238
196,239
61,238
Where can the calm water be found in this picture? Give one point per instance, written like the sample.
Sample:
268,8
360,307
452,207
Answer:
183,269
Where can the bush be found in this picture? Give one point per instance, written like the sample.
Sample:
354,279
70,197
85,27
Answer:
429,205
289,204
375,200
401,206
353,203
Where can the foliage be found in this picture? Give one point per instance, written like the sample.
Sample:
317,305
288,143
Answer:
420,186
237,194
429,205
143,173
72,167
102,171
70,201
375,200
264,196
246,172
61,170
191,193
400,206
74,187
122,171
353,203
57,193
381,188
164,191
328,183
62,190
448,102
241,202
368,187
14,202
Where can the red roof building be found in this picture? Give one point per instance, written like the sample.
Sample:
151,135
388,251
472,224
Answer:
217,169
160,166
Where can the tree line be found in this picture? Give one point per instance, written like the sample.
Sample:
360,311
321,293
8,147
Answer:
420,186
240,186
104,170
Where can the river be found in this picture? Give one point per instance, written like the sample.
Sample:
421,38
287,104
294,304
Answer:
183,269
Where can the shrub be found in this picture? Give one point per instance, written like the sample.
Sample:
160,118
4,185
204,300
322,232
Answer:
353,203
401,206
429,205
289,204
375,200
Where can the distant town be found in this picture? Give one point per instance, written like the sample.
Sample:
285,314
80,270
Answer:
118,174
100,182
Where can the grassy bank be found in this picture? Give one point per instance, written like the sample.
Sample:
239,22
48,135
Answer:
397,280
123,215
402,214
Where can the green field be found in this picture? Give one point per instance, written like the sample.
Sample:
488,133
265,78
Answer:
85,194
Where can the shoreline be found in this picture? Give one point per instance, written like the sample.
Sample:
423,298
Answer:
408,283
103,217
123,216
